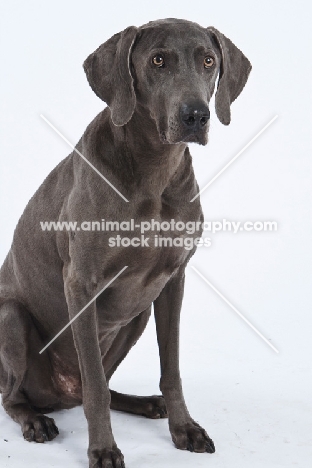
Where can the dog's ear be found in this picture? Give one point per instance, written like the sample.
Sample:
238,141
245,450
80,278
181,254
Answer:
233,75
109,74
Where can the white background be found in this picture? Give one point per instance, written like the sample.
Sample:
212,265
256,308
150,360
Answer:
255,404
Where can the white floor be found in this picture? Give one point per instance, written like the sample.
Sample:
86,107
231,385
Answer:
256,406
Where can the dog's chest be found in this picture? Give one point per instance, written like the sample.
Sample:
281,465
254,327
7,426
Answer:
161,237
153,252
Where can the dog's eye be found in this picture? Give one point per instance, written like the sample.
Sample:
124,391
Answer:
158,60
208,62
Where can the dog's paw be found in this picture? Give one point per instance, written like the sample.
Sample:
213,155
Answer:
106,458
191,436
39,429
153,407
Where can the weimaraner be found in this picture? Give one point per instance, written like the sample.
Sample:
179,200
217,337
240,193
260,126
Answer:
157,81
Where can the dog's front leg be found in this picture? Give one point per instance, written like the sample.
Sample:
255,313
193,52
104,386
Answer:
186,433
103,451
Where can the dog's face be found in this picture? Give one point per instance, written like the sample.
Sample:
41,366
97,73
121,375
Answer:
175,67
169,68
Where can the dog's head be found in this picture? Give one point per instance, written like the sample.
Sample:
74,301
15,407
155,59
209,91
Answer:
169,67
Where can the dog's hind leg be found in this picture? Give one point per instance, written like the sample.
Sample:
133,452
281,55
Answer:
25,379
154,406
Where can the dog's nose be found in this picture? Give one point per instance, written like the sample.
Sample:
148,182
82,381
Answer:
195,114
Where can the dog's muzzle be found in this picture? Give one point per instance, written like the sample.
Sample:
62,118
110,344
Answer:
194,120
189,125
194,116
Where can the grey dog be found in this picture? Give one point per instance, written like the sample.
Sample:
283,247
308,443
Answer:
157,81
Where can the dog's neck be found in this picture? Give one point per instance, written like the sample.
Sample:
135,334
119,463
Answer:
153,163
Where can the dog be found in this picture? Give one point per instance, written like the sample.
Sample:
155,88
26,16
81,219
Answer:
157,81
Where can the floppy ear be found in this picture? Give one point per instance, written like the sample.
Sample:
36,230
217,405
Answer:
233,75
109,75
